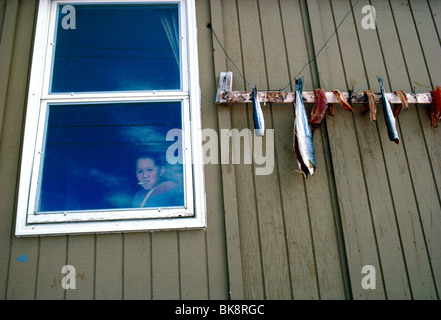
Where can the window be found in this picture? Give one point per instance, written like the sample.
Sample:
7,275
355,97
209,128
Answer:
108,144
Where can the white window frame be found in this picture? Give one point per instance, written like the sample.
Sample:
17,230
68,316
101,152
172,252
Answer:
31,223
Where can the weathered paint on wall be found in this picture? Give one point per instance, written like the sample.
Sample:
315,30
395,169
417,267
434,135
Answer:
275,236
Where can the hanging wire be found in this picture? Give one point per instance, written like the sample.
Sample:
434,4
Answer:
301,70
226,54
323,46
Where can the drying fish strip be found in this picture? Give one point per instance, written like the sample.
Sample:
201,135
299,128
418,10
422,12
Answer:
435,109
319,109
341,99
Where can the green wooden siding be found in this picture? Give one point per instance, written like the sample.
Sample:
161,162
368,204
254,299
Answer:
288,240
277,236
371,202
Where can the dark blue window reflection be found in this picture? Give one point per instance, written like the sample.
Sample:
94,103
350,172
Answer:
117,47
96,156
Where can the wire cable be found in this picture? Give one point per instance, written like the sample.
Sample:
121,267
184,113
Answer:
301,70
226,54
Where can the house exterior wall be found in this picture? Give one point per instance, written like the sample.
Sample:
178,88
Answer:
370,202
275,236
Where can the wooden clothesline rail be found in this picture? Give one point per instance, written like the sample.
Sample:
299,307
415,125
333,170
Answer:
226,96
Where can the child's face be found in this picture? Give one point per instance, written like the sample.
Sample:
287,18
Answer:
148,173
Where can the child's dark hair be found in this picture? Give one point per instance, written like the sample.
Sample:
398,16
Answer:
156,157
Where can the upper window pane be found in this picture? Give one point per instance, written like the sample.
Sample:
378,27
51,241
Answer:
116,47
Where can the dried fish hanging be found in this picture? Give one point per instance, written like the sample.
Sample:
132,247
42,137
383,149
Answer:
435,110
388,116
326,101
404,105
259,121
302,135
342,101
319,109
371,105
321,99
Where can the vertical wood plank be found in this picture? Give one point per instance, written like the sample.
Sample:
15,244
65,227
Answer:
81,255
354,206
222,261
359,234
15,48
299,243
2,15
320,70
323,227
428,37
137,266
165,268
6,46
428,32
22,276
418,154
382,213
193,265
406,214
295,34
435,8
246,201
321,20
230,188
268,202
402,183
52,258
109,264
7,167
249,225
295,206
324,213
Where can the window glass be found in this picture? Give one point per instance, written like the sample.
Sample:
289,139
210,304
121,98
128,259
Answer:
116,47
109,156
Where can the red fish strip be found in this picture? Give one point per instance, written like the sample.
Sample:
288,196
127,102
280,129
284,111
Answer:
435,110
319,110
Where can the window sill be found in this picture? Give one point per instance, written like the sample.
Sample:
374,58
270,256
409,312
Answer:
183,223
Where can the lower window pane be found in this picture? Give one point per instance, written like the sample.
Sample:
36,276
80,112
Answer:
111,156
